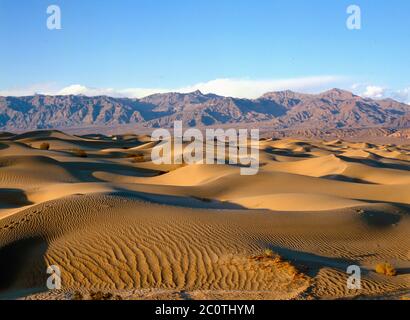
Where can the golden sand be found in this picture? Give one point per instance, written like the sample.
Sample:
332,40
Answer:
144,231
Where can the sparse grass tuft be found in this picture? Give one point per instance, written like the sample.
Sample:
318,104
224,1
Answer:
136,157
45,146
386,268
77,296
268,253
132,155
269,259
104,296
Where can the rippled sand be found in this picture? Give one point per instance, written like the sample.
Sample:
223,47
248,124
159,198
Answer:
115,222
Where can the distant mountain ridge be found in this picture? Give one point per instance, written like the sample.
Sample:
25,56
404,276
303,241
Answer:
282,110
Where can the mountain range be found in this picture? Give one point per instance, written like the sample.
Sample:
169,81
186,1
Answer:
333,109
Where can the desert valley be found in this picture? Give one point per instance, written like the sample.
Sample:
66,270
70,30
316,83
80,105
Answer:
120,227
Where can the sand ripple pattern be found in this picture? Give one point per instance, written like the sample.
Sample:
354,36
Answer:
114,221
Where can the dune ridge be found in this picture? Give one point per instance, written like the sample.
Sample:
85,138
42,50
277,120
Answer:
200,231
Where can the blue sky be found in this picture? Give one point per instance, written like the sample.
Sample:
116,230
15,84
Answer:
231,47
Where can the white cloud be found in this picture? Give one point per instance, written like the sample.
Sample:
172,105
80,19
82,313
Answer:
379,92
44,88
77,89
358,87
374,92
402,95
240,88
245,88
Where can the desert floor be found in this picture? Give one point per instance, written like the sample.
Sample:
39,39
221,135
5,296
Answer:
116,223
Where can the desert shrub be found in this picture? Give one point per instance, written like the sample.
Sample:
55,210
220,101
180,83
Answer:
100,295
133,155
104,296
80,153
136,157
77,296
268,253
45,146
386,268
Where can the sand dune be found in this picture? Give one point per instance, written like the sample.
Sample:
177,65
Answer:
113,221
297,202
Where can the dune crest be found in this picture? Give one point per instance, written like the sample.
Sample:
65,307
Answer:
97,207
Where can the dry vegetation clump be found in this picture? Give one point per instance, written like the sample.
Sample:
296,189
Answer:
386,268
136,157
104,296
45,146
267,256
93,295
269,259
80,153
268,253
77,296
132,155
